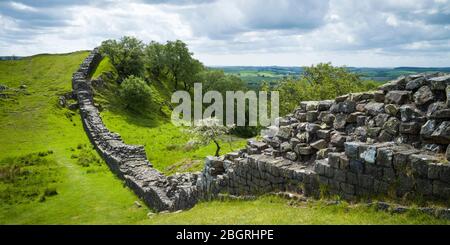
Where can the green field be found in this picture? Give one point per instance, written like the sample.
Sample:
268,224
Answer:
49,173
254,75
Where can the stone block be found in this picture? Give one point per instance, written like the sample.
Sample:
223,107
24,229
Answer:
384,157
333,159
352,149
285,147
356,166
320,144
410,127
441,134
418,164
374,108
409,113
340,121
391,109
344,162
311,116
423,95
398,97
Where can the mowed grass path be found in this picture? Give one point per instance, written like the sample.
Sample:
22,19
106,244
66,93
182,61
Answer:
32,122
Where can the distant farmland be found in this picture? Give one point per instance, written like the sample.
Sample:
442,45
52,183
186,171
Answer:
254,75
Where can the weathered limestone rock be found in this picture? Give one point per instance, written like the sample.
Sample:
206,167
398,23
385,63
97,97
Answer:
324,105
441,134
291,155
391,109
340,121
398,84
285,146
447,93
309,105
415,84
428,128
438,83
398,97
320,144
410,127
303,149
311,116
409,113
392,126
423,95
284,132
374,108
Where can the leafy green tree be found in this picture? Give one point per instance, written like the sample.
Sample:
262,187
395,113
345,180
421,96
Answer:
155,61
135,93
172,61
126,55
217,80
323,81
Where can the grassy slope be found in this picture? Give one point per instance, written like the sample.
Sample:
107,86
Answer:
32,123
165,144
92,195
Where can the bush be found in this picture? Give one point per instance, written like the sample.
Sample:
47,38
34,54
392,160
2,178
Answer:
135,93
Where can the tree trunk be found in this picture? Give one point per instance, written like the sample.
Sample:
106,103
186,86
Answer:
218,148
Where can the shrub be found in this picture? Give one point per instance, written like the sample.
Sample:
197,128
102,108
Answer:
135,93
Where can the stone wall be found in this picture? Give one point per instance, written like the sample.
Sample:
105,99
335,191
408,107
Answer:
390,142
129,162
394,141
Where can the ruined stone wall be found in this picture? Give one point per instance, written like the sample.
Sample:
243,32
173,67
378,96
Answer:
391,141
129,162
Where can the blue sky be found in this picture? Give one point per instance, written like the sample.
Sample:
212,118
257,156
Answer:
381,33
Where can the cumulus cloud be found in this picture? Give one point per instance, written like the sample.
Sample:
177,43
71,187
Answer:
247,32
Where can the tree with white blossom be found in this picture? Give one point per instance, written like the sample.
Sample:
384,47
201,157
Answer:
209,129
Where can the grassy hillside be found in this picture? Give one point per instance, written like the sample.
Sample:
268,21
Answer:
32,122
49,173
167,146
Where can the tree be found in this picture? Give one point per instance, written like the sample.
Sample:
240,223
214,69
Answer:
323,81
126,55
155,61
209,129
135,93
217,80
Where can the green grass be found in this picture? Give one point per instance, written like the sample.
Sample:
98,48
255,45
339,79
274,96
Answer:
77,186
275,210
33,122
167,146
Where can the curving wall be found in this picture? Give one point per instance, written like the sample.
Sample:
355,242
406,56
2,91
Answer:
129,162
394,141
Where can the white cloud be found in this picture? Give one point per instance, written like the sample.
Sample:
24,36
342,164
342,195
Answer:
285,32
22,7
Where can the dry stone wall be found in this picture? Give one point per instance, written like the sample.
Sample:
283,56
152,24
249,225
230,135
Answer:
129,162
392,141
